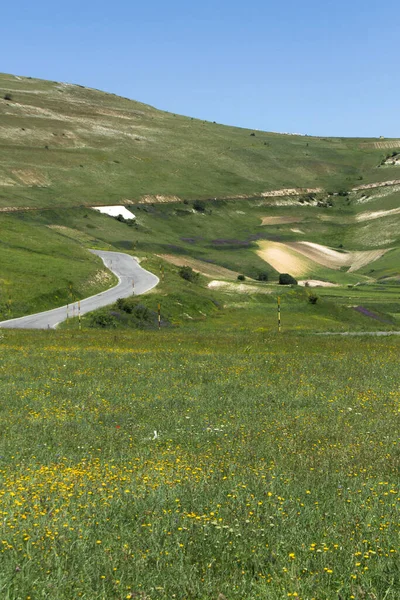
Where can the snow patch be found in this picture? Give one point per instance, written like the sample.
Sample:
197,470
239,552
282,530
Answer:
115,211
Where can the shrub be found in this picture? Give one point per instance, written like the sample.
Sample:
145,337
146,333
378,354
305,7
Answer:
312,298
262,276
286,279
127,305
102,319
188,274
199,206
7,97
241,278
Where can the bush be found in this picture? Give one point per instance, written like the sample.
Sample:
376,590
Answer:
188,274
7,97
241,278
102,319
127,305
286,279
312,298
199,206
262,276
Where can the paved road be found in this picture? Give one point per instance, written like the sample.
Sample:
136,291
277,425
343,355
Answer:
125,267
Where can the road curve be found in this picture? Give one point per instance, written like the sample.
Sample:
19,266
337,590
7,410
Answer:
133,279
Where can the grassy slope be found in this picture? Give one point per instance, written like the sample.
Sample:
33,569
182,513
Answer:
41,269
67,145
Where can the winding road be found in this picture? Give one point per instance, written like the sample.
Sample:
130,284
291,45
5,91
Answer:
133,279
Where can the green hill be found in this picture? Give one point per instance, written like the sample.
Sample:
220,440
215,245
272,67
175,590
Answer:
66,145
332,214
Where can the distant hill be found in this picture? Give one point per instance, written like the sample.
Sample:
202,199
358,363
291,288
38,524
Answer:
64,145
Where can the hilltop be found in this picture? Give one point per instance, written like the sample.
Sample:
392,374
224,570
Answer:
67,145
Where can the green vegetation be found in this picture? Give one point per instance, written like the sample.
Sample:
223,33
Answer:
188,274
222,461
40,245
41,269
287,279
66,145
214,458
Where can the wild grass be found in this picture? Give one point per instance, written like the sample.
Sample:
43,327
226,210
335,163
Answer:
215,462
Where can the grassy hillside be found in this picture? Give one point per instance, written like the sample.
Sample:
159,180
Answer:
46,251
65,145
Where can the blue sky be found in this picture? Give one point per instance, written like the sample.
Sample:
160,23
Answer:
317,67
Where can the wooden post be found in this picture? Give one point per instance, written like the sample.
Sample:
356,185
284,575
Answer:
279,314
159,316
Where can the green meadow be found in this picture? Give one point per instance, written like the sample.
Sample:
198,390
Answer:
201,462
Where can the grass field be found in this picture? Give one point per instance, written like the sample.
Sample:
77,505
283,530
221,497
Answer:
215,462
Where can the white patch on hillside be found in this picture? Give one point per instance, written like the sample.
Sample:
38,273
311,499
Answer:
115,211
316,283
241,288
370,216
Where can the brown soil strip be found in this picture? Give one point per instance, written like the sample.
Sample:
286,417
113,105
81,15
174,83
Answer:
280,220
206,269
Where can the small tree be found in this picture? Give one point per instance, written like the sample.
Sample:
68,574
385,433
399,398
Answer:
241,278
286,279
